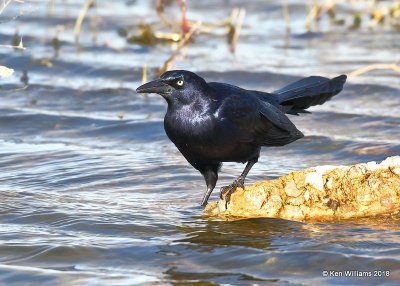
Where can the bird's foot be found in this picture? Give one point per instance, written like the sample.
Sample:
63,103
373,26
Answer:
227,191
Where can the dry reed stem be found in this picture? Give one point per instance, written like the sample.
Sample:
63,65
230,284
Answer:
238,28
395,67
317,11
144,73
286,15
81,17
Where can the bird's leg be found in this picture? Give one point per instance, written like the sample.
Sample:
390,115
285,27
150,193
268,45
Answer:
239,182
211,177
206,196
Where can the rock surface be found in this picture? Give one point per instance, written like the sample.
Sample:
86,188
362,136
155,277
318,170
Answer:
322,193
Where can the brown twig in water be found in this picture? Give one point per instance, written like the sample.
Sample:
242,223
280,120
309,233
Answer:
395,67
185,40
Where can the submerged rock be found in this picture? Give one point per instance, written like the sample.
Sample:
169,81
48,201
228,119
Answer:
321,193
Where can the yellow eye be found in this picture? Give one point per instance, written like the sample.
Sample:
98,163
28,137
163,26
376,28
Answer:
179,82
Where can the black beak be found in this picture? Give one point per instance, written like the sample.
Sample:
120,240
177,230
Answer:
155,86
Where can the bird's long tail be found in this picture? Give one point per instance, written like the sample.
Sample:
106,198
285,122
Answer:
314,90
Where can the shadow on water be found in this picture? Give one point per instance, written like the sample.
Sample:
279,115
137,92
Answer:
248,251
241,232
235,244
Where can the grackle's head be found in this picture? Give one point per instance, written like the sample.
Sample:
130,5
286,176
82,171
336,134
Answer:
175,85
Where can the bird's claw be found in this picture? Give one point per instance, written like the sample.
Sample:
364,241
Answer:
224,191
227,191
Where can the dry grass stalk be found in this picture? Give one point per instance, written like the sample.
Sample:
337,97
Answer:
286,15
144,73
93,26
395,67
316,11
50,7
238,27
81,17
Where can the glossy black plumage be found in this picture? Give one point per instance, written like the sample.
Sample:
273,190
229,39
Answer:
211,123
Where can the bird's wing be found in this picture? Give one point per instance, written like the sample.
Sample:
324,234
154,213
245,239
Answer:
282,131
256,120
310,91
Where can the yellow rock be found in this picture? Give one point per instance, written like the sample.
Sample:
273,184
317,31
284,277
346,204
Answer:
322,193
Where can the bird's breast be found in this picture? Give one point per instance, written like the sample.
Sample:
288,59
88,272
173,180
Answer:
203,136
187,124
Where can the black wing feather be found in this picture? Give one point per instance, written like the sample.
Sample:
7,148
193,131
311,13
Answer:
310,91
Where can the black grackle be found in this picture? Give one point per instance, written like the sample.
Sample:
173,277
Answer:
213,122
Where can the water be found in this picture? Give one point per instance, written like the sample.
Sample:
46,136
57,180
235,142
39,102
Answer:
88,198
